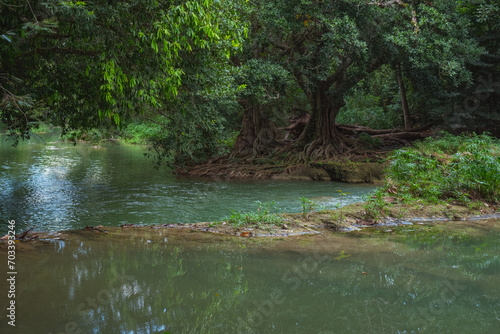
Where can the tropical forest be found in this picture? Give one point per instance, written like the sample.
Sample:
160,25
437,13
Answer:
249,166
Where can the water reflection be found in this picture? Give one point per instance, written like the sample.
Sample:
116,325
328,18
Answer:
420,281
61,186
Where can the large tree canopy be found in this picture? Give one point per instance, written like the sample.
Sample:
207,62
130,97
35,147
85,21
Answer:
330,46
191,66
80,62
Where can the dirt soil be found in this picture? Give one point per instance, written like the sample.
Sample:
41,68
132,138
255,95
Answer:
350,218
346,219
342,171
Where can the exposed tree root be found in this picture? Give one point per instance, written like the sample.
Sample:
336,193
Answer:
234,171
269,157
358,129
319,151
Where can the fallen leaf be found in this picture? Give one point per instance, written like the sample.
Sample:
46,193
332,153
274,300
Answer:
392,190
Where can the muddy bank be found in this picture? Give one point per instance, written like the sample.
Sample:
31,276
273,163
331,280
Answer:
352,218
342,171
347,219
353,172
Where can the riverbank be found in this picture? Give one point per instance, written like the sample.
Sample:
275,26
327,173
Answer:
334,170
450,178
350,218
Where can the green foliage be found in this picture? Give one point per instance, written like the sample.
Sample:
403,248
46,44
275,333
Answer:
266,214
142,132
263,81
188,65
91,64
444,143
332,46
226,143
374,102
194,133
267,85
365,110
94,135
42,128
375,205
308,206
461,168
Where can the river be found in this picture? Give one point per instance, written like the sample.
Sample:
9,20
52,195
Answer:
440,278
415,279
60,186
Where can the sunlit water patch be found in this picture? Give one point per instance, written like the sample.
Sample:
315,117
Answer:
62,186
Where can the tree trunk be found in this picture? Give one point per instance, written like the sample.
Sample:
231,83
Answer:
404,101
257,136
320,137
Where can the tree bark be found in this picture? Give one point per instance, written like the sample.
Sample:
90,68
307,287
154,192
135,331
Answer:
320,137
404,101
257,136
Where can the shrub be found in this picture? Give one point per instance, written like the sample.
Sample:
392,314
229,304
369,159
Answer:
142,133
456,168
266,214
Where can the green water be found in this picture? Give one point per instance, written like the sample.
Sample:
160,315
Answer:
60,186
418,280
410,279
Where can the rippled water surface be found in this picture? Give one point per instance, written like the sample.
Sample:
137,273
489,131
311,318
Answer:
61,186
415,279
409,279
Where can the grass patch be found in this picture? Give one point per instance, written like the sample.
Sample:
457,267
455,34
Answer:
142,133
266,215
450,169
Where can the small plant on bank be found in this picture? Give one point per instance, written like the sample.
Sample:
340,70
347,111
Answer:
267,214
308,206
375,204
342,195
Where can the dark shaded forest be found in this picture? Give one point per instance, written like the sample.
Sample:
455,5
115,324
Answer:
295,81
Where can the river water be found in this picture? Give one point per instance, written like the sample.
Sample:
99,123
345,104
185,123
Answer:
441,278
59,186
415,279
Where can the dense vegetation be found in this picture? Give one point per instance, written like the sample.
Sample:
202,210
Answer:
248,79
458,168
463,170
